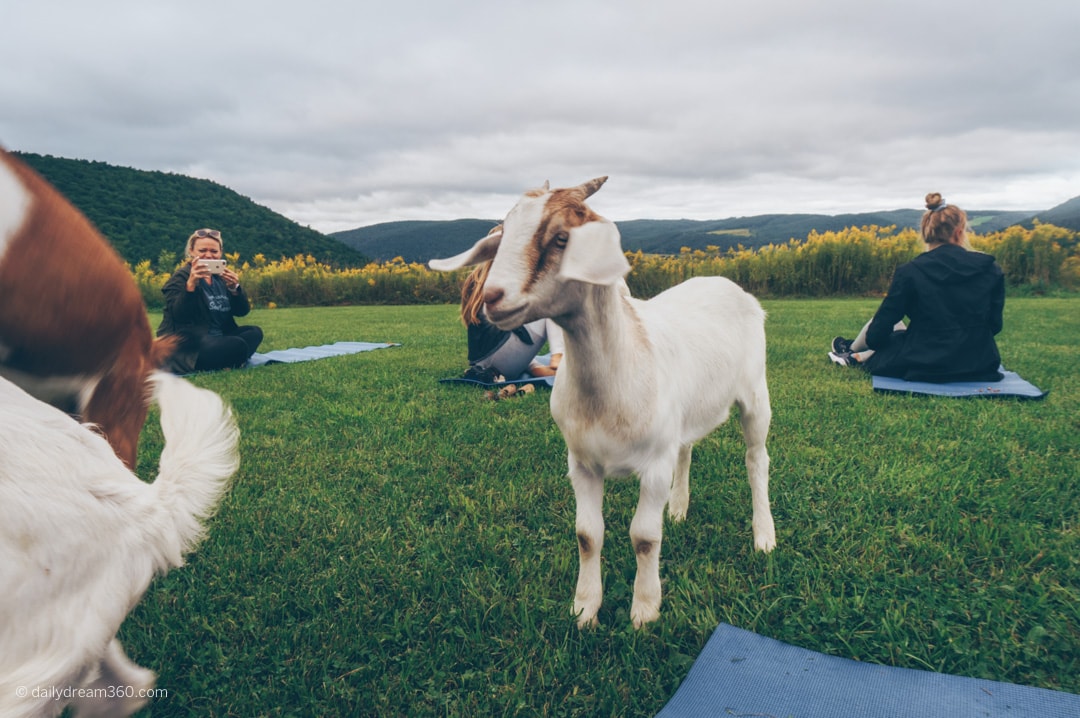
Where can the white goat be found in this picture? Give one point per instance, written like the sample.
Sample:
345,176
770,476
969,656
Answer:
81,537
640,382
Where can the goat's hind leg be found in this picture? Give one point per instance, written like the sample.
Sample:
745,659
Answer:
755,419
646,534
589,495
120,688
679,503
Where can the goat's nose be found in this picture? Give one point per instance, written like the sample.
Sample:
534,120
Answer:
492,295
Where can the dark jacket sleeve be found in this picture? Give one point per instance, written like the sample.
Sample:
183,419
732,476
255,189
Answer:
182,316
893,308
239,302
997,303
182,308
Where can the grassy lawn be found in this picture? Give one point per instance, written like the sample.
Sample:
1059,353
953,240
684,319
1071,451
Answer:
393,546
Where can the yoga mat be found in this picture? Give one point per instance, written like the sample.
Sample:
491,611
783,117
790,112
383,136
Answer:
1011,385
290,356
740,673
548,381
526,378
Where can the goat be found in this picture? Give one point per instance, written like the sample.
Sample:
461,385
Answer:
640,382
73,325
81,537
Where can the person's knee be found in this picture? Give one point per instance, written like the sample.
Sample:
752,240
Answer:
252,336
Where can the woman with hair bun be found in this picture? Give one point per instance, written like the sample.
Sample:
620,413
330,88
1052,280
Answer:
953,298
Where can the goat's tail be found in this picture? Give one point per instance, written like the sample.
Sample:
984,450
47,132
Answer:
199,458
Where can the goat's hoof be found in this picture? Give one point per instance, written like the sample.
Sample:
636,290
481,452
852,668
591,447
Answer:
765,543
588,623
585,620
641,614
586,617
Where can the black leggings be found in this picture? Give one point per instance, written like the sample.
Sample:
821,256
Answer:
229,351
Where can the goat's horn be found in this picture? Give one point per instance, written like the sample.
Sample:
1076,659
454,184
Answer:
589,188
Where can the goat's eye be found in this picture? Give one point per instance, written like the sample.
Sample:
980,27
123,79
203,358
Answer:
561,238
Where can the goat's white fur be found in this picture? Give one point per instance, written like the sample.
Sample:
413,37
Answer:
81,537
14,203
640,381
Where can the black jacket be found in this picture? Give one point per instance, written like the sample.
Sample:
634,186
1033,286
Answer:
484,338
954,300
187,314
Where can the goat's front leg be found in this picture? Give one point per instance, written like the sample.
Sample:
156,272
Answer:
589,494
646,532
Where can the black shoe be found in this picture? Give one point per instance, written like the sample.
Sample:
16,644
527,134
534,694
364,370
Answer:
843,358
841,345
484,376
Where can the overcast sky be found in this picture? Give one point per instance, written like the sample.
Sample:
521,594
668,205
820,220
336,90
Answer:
344,114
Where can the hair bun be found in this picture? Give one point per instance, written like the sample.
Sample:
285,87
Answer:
934,200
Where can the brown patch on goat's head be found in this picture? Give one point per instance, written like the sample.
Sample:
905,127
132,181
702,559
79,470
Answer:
564,210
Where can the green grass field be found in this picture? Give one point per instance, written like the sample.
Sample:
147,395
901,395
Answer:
393,546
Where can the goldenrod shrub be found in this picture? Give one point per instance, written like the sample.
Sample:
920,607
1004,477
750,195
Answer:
854,261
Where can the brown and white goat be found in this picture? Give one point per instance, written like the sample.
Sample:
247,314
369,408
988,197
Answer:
640,381
81,537
73,325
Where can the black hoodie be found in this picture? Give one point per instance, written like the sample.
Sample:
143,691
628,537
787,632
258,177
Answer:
954,300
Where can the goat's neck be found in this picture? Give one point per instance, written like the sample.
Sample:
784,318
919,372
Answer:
604,340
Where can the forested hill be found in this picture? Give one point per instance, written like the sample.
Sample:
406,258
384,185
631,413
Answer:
1066,214
145,214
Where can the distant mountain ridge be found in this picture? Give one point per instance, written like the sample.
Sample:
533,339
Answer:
419,241
147,215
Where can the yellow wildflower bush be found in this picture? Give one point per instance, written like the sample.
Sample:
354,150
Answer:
853,261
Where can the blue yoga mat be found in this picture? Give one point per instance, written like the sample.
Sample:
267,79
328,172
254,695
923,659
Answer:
526,378
1012,385
523,379
290,356
740,673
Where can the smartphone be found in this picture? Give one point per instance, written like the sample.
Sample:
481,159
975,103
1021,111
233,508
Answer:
216,266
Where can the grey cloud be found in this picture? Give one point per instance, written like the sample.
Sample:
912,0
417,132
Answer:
342,115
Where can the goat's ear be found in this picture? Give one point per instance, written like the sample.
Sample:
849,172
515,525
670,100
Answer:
594,254
482,251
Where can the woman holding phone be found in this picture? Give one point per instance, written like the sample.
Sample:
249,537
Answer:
202,297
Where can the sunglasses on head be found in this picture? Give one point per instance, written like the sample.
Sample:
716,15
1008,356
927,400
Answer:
208,233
